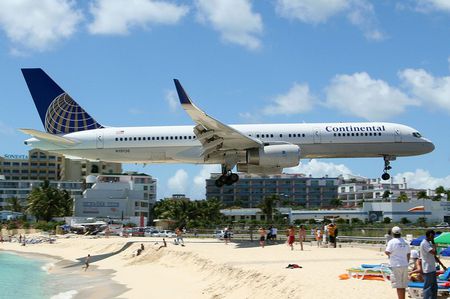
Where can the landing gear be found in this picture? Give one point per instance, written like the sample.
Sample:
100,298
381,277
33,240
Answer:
227,178
387,166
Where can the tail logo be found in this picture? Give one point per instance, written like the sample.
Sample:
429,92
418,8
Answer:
64,116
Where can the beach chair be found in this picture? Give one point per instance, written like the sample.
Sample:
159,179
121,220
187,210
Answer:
365,270
415,288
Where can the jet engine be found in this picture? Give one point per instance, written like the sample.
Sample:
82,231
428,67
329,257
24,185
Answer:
278,155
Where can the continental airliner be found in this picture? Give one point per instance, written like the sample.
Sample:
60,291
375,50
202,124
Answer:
251,148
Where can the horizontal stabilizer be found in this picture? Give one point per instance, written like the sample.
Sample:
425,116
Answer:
49,137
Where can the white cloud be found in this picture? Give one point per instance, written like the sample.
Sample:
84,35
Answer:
198,188
234,19
38,25
297,100
362,96
427,5
422,179
359,12
119,16
179,182
317,168
429,89
311,11
172,99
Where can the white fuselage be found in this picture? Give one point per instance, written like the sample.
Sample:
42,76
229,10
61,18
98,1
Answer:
178,144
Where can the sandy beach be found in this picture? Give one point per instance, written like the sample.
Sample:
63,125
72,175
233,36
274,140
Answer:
207,268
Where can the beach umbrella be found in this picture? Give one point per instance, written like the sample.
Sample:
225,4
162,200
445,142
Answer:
444,238
417,209
446,252
417,241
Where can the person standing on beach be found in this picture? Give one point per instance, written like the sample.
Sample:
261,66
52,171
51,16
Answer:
302,236
274,233
319,237
262,236
179,239
399,252
86,262
332,234
226,235
291,236
428,256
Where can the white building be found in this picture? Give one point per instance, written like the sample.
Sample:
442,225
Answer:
355,190
117,196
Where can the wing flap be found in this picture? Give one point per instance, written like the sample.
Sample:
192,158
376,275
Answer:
49,137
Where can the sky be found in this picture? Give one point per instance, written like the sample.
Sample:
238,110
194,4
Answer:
241,61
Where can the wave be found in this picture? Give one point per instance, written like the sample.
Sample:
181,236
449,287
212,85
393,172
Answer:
47,267
65,295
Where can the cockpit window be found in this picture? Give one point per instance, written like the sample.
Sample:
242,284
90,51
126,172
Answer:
417,134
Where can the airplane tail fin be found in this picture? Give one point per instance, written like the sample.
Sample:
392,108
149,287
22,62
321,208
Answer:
59,113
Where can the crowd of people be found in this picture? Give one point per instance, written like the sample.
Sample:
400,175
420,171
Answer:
412,265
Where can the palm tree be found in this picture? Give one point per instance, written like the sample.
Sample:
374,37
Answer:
268,205
45,202
402,197
422,195
386,195
14,204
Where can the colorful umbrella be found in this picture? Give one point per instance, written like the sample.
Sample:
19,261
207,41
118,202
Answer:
444,238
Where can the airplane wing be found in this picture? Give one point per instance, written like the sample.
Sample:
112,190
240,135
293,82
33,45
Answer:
213,134
49,137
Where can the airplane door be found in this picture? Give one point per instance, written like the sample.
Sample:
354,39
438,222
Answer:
398,135
316,136
100,141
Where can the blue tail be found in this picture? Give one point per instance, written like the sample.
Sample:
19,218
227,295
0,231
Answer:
59,113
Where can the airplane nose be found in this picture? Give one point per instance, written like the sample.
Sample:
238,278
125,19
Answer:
428,146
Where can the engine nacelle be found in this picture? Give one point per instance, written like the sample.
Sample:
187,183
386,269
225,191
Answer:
277,155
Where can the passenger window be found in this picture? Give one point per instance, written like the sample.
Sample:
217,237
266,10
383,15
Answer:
290,135
117,139
257,135
139,138
271,135
125,138
334,134
294,135
121,139
366,134
190,137
370,134
303,135
353,134
176,137
153,138
185,137
171,137
167,138
357,134
348,134
379,134
281,135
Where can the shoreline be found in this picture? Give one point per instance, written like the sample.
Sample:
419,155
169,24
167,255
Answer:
207,268
66,280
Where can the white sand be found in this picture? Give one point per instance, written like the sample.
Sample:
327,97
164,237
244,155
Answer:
210,269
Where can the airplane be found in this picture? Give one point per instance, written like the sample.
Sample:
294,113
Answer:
251,148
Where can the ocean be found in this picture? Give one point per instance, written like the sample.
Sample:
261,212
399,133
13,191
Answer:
22,277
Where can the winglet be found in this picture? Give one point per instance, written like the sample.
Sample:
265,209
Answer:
182,95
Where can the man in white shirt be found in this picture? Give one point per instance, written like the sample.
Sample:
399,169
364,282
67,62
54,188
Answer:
428,255
398,252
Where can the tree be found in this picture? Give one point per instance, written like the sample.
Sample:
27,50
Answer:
421,221
402,197
14,204
386,220
268,206
404,220
336,202
386,195
46,202
422,195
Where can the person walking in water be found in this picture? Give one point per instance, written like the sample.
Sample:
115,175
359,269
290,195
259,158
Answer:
291,236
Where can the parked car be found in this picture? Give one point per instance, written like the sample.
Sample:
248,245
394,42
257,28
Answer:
167,234
151,233
442,225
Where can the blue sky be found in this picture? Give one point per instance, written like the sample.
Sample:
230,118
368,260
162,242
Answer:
241,61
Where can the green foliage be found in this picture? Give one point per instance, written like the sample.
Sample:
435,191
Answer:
440,190
386,195
422,195
14,204
26,225
46,226
402,197
46,202
421,221
267,206
386,220
341,221
336,202
12,225
404,220
356,221
198,213
312,221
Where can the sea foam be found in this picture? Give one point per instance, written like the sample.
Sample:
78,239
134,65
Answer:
65,295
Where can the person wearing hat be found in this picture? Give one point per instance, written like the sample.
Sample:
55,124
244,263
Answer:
428,254
398,252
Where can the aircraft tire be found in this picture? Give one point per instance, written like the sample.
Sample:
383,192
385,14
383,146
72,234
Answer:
234,177
385,176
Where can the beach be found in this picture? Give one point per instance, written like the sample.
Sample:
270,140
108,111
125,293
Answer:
207,268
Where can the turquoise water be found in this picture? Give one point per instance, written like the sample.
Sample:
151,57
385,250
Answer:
22,277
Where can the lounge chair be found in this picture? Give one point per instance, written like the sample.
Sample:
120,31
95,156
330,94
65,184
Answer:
364,270
415,288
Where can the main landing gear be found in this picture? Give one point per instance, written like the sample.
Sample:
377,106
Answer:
387,166
227,178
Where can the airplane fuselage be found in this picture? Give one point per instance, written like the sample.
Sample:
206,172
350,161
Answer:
178,144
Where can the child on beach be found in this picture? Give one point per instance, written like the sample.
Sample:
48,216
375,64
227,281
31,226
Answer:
319,237
302,235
